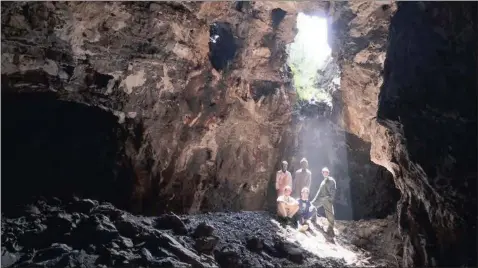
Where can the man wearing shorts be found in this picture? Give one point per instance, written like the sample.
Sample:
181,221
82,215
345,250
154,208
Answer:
287,206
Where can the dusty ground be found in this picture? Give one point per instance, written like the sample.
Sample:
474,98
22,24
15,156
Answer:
370,243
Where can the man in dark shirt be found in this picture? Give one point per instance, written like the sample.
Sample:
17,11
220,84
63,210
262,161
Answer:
307,211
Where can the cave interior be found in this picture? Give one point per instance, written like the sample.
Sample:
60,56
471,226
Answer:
56,147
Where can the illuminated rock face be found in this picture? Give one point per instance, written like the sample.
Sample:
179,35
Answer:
153,106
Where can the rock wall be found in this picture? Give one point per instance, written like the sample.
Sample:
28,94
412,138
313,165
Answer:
194,94
358,38
427,133
192,104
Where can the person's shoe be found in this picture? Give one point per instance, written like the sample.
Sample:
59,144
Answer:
303,228
330,231
294,224
282,221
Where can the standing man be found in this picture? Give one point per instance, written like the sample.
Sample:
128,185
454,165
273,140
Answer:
283,179
325,197
302,178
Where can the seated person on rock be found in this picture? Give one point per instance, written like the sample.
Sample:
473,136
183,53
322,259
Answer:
287,206
307,211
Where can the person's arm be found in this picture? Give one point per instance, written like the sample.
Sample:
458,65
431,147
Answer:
332,189
316,195
289,179
277,180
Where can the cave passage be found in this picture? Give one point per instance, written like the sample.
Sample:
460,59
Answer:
59,148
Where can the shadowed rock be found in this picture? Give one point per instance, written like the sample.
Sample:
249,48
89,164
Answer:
171,221
247,239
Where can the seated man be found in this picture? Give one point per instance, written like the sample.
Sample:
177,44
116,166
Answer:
287,206
307,211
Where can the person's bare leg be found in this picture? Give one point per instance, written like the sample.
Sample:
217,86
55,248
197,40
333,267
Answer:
281,210
292,210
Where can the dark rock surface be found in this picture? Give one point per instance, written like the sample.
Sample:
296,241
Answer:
428,133
60,236
143,101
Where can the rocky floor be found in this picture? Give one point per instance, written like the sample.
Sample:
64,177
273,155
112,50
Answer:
84,233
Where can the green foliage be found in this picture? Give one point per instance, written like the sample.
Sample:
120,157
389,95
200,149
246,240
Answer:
305,72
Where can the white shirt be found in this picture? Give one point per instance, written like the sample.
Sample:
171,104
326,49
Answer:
289,200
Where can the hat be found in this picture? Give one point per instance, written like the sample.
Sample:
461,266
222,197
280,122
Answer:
304,160
325,169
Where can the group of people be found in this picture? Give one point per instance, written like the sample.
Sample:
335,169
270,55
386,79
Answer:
293,204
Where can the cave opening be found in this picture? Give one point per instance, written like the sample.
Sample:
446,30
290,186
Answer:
364,189
309,54
222,45
277,15
56,148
